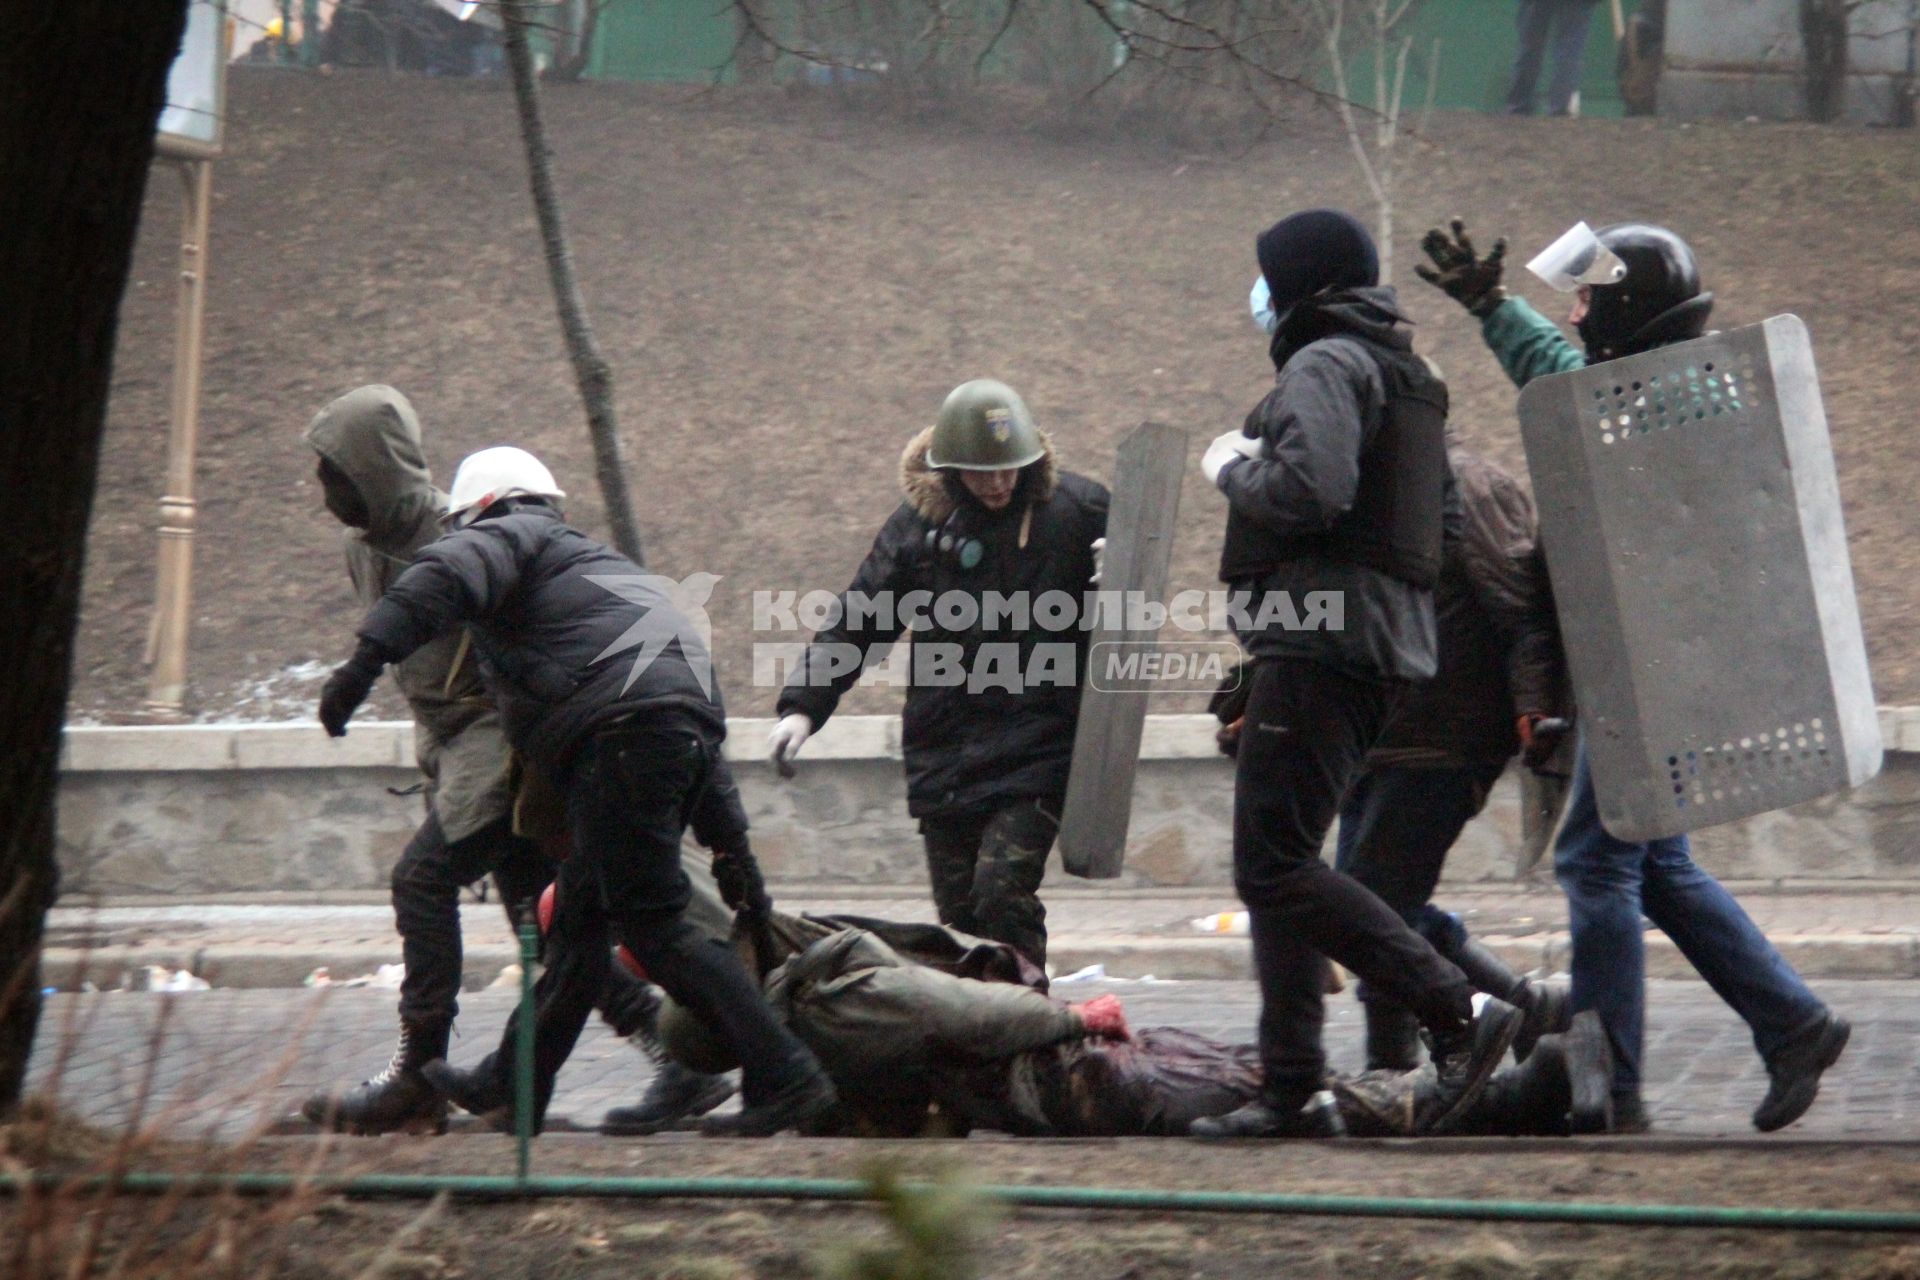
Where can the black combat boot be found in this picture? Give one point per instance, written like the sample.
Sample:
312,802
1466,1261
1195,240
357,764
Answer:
807,1098
1464,1056
1629,1114
1393,1036
1590,1106
1530,1099
399,1099
1794,1072
476,1091
1546,1006
675,1094
1264,1118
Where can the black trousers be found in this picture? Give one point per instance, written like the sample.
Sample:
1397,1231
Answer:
1397,826
426,910
1308,728
631,793
986,871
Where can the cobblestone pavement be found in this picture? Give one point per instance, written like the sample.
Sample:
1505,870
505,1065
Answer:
1857,932
1508,910
223,1061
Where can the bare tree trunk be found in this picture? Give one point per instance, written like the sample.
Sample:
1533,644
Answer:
81,85
1823,37
590,368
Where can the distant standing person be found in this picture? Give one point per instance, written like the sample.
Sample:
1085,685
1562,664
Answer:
1558,27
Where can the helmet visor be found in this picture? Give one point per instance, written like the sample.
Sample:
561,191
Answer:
1578,258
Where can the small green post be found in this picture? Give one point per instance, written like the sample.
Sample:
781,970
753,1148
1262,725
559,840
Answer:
523,1051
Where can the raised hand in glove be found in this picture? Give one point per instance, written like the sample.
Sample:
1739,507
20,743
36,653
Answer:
736,873
347,688
1540,737
1460,273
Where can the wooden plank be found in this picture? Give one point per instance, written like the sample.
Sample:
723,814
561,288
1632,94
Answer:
1113,708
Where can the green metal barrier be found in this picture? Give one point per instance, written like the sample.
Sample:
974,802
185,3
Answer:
424,1186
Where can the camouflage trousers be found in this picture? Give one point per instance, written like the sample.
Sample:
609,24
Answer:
986,871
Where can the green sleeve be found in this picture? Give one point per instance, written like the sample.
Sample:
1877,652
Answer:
1527,344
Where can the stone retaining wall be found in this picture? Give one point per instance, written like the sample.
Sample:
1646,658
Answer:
227,809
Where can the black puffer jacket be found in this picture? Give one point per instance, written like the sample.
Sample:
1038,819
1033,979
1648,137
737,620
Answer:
561,652
971,751
1499,642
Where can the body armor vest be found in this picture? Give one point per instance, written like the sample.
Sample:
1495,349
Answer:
1394,525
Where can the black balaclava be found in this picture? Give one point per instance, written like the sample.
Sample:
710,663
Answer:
1659,302
342,496
1313,250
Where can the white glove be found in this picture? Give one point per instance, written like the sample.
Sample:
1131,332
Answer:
1224,449
1099,560
784,743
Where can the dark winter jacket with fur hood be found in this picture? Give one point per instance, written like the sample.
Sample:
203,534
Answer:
971,744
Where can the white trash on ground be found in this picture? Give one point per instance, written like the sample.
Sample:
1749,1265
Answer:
387,977
1231,922
161,978
1092,973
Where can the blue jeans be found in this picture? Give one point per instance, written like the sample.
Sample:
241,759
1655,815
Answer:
1610,884
1555,30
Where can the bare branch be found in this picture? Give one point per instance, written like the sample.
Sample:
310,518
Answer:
999,34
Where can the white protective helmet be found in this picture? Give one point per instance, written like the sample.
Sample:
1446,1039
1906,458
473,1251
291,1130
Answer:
486,477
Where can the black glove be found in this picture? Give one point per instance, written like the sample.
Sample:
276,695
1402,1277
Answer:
348,687
737,874
1470,280
1229,705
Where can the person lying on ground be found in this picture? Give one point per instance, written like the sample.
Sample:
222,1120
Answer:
928,1032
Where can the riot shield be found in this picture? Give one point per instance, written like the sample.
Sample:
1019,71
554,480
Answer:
1691,522
1113,713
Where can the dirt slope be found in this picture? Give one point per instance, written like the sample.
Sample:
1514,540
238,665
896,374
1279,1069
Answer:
787,287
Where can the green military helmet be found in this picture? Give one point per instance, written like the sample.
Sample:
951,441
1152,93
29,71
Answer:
984,426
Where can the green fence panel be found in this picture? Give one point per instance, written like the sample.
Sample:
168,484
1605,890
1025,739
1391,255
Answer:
679,40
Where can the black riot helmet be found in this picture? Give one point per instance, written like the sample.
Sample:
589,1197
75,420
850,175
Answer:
1659,302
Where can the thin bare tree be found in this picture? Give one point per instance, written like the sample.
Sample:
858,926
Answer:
591,372
1380,31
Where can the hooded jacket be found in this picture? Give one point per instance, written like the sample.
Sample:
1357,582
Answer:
1325,413
969,750
372,436
571,635
1499,650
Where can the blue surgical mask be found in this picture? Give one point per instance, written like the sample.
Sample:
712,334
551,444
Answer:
1260,302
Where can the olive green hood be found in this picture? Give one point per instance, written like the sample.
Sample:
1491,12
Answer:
931,491
372,435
